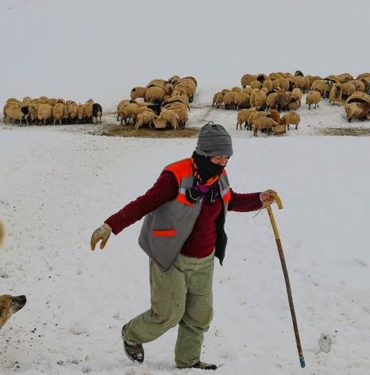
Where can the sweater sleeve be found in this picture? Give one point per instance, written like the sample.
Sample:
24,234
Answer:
165,189
244,202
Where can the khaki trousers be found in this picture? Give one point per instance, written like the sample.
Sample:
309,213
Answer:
183,296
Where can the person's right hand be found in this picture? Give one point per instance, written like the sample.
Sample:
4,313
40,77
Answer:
102,233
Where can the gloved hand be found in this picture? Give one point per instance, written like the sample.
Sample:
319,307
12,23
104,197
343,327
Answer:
102,233
267,197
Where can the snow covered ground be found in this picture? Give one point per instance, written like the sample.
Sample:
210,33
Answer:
57,184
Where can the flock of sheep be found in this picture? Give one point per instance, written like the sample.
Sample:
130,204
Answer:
261,98
44,110
162,103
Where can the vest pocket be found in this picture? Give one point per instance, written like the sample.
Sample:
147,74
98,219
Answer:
164,232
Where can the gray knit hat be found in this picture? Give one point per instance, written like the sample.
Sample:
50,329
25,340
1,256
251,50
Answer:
214,140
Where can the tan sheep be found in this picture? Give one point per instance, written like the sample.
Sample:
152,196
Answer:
45,113
154,94
353,110
348,88
73,112
58,113
247,79
271,100
322,86
335,94
181,110
229,100
243,116
267,83
259,100
145,118
16,112
127,112
241,100
167,117
275,115
313,97
138,92
261,123
299,82
88,113
291,118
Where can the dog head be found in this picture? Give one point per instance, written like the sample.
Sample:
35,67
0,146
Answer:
9,305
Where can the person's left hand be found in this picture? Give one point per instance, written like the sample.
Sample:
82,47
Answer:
268,197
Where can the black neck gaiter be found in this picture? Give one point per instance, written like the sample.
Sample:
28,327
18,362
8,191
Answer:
206,169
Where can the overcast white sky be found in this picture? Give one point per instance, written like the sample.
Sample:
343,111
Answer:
87,48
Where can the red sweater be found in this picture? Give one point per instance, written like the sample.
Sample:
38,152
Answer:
202,240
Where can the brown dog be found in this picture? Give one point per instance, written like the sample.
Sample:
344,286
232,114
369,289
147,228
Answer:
9,305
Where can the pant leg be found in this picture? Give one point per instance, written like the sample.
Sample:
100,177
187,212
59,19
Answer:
198,311
168,296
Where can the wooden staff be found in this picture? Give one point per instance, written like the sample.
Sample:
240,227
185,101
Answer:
286,277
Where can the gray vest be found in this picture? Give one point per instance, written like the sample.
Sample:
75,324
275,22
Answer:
166,229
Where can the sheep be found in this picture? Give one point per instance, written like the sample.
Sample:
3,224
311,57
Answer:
271,100
138,92
353,110
181,111
127,111
242,117
87,113
124,101
45,113
154,94
291,118
16,112
247,79
174,79
322,86
58,113
299,82
72,112
258,99
157,82
214,99
254,116
313,97
263,123
144,118
189,87
296,94
284,83
348,88
275,115
241,100
267,83
218,99
282,101
229,100
97,112
167,117
256,84
335,94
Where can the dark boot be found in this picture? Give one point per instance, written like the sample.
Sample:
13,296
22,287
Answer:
202,366
135,352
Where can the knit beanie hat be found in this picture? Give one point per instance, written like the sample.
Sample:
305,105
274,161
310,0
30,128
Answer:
214,140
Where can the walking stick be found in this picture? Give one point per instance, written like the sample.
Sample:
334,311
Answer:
286,277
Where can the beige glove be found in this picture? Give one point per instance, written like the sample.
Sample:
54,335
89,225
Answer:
267,197
102,233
